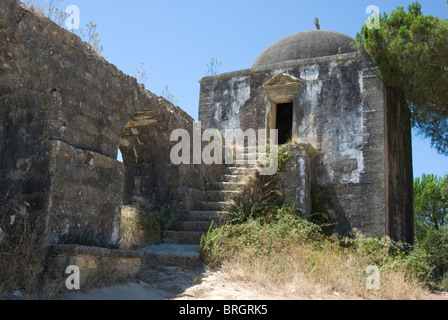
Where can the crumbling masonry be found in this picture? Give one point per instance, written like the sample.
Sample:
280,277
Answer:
65,112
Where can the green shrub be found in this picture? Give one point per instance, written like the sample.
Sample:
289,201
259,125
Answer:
320,215
435,244
431,224
415,261
268,233
263,230
209,243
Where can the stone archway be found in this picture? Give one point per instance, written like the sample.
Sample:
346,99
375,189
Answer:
64,111
145,148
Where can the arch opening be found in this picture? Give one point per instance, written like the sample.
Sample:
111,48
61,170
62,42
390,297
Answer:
145,153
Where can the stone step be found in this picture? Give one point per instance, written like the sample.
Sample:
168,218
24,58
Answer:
182,237
166,257
218,217
202,226
250,150
220,195
240,171
171,267
236,178
217,206
226,186
248,164
172,251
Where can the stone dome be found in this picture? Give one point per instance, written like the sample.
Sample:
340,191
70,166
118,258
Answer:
305,45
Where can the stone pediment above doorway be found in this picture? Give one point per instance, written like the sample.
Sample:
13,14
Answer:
282,88
282,81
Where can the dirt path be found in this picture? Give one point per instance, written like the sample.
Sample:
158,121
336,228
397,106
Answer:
221,286
212,286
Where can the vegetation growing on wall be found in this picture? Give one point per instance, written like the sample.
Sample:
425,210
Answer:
141,74
213,67
52,9
142,224
168,95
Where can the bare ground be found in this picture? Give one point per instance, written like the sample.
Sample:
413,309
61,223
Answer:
210,285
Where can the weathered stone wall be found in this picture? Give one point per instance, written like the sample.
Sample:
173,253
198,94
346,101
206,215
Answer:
399,170
65,112
329,110
294,180
339,110
232,101
24,178
83,195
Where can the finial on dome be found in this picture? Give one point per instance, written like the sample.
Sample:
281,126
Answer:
316,22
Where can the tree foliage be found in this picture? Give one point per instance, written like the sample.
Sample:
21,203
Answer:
435,244
430,204
411,50
431,224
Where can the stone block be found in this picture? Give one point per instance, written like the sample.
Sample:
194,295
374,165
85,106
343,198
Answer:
85,197
96,265
295,178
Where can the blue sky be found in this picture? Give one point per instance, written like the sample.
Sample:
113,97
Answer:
176,39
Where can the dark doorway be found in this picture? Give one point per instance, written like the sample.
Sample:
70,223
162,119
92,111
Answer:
284,122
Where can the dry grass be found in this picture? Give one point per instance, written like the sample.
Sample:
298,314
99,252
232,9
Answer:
27,269
310,274
313,266
37,7
142,225
23,262
137,229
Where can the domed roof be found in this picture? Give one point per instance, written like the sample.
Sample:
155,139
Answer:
304,45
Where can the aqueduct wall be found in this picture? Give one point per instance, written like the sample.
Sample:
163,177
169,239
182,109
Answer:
64,113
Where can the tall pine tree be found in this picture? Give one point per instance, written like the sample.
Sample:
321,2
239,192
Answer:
411,50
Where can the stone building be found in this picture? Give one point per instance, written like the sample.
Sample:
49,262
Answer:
352,134
65,112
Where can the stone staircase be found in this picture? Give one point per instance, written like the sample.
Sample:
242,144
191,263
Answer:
214,202
171,267
212,205
175,264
